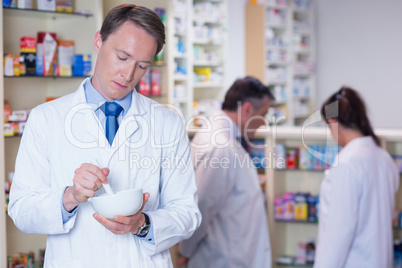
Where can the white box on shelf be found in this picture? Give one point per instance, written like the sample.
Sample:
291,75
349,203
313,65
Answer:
25,4
49,5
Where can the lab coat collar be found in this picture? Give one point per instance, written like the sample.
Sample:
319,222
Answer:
137,106
220,120
366,141
127,127
224,121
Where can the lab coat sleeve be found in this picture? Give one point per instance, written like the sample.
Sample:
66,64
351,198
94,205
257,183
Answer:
178,215
34,203
214,183
335,238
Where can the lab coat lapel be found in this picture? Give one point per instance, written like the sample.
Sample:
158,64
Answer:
129,125
127,128
83,112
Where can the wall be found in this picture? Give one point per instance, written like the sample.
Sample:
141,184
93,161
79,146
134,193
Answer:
235,59
360,45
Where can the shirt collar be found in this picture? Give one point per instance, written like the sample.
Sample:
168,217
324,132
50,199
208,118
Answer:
95,99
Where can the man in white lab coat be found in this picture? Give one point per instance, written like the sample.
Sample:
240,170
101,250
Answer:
234,229
63,139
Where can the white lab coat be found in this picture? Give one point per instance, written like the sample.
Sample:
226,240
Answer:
59,137
234,228
356,208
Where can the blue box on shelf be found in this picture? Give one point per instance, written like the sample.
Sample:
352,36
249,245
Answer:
82,65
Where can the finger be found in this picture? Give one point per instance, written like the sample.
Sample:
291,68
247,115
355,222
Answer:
145,198
82,193
113,226
87,179
127,220
96,171
99,173
105,171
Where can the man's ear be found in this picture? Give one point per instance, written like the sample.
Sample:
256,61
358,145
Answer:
332,121
247,108
97,41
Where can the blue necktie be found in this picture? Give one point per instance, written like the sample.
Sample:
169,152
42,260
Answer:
111,111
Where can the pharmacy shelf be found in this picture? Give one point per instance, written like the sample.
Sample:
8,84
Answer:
209,28
207,63
291,262
295,221
279,28
51,76
207,42
207,85
285,235
55,14
13,136
298,170
25,92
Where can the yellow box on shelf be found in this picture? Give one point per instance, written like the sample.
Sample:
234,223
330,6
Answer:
204,74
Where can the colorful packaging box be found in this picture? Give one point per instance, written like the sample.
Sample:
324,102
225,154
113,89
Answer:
82,65
64,6
300,206
28,54
16,65
279,208
145,84
204,74
7,110
305,159
257,154
25,4
65,58
49,5
289,204
312,208
280,156
316,160
8,65
20,115
156,82
46,57
8,129
292,158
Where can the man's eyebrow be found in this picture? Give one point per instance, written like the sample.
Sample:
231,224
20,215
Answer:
129,55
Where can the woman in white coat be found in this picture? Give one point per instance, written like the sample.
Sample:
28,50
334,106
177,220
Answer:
357,195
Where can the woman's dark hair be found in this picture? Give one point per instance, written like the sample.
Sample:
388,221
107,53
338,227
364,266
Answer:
351,112
142,17
246,89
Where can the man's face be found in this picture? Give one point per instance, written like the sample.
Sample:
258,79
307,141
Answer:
123,58
256,118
